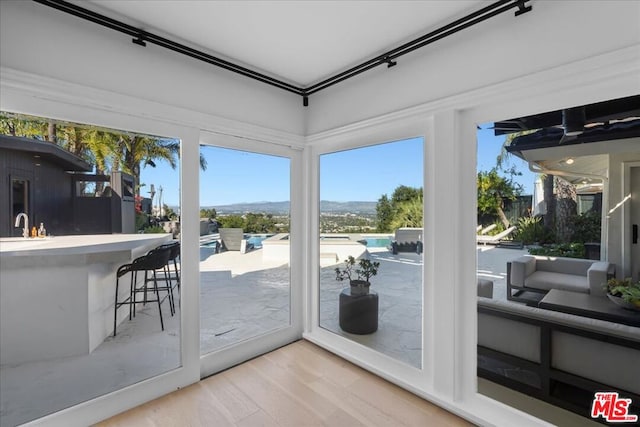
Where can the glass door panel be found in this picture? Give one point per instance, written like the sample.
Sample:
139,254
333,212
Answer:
244,246
62,340
371,209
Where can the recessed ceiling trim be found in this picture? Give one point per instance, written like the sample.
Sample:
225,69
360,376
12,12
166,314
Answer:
141,37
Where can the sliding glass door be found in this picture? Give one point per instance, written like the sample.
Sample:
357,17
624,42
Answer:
371,233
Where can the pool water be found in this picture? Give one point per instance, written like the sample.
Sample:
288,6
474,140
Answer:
256,239
378,242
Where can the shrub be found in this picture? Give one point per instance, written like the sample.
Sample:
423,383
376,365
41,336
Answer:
142,221
530,230
569,250
154,229
586,227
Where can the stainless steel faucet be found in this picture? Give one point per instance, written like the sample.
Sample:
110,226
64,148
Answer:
25,230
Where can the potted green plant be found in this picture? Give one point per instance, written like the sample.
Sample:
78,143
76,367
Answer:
624,293
358,274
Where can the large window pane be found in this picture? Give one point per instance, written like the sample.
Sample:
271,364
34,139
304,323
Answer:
244,246
547,328
84,190
371,209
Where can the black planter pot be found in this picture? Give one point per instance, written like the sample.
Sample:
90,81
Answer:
359,287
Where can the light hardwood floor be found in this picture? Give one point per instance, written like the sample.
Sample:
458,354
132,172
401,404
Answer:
296,385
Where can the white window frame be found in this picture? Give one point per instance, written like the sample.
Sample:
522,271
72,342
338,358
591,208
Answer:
52,98
449,376
223,358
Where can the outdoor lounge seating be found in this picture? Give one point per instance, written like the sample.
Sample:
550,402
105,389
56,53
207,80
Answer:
232,239
486,229
495,239
539,274
407,239
557,357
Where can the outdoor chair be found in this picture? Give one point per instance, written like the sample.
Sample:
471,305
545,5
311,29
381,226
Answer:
494,240
232,239
486,229
156,259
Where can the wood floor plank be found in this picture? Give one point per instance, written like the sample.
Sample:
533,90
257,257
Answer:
325,364
277,404
258,419
298,385
228,399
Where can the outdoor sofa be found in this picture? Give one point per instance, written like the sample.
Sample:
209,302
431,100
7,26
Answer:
557,357
407,239
539,274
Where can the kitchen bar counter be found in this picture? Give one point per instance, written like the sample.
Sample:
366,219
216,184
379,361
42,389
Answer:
57,293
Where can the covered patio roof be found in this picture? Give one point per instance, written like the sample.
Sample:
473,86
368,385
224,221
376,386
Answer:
46,150
581,157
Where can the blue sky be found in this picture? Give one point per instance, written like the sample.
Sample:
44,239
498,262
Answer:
489,146
363,174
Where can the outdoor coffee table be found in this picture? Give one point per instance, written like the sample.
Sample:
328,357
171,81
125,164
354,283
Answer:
588,306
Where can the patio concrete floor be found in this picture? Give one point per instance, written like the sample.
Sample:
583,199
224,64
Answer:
241,297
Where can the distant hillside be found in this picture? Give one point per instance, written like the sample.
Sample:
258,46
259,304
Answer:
256,207
280,208
368,208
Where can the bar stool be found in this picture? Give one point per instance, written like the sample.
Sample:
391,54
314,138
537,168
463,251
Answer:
166,278
175,253
156,259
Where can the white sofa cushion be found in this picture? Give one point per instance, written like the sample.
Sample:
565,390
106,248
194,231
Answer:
589,358
509,336
587,323
575,266
607,363
550,280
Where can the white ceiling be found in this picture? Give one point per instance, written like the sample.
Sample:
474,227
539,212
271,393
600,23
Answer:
301,42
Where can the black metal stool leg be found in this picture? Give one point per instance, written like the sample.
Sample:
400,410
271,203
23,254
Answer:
155,286
115,308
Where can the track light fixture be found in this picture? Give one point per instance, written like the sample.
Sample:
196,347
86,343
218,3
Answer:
141,38
389,62
573,121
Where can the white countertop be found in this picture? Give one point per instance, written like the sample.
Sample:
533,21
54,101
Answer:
21,252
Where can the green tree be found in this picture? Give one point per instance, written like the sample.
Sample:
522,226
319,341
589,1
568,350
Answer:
408,213
208,213
170,213
404,194
384,214
107,149
493,190
231,221
403,210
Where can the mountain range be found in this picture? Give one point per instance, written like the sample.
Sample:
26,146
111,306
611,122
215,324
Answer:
281,208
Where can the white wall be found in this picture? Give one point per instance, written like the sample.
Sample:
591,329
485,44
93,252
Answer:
615,209
501,48
40,40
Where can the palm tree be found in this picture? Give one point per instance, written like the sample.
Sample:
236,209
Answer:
107,149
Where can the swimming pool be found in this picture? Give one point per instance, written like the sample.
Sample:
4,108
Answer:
378,242
256,239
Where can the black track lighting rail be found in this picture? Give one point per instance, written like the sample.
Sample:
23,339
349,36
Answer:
141,37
